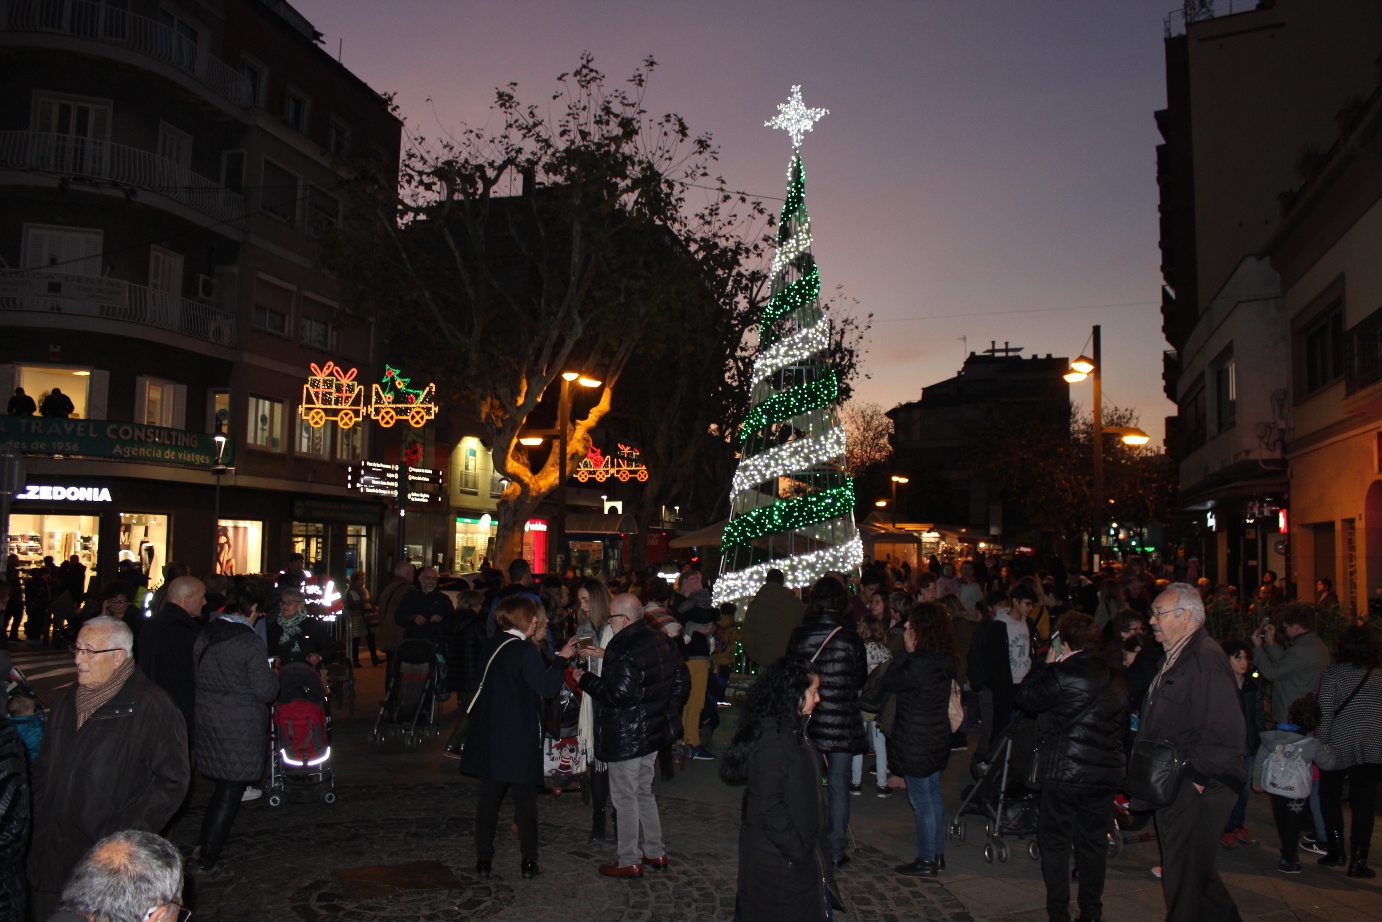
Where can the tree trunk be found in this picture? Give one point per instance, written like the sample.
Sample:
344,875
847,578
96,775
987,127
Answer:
513,514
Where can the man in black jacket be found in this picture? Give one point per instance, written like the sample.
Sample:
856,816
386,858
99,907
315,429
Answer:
165,645
1081,706
640,691
1193,705
425,612
1000,656
827,637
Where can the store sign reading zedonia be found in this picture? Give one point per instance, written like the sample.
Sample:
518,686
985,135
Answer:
65,494
99,438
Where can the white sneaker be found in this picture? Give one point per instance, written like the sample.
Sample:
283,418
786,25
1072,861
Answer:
251,794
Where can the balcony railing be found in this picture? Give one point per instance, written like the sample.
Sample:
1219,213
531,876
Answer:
111,26
1363,353
112,299
68,155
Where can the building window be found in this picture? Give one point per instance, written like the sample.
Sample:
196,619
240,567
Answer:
154,401
1193,412
180,37
1226,396
295,105
279,197
40,381
313,332
312,441
218,412
1323,345
70,250
350,443
233,171
257,74
266,423
338,138
470,458
165,270
496,481
322,211
273,304
174,144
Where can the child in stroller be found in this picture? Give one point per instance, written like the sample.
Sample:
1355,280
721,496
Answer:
301,755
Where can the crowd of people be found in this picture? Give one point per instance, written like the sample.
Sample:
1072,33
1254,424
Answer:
563,680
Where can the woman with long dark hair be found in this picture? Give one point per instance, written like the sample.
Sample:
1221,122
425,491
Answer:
593,634
919,748
784,871
1351,710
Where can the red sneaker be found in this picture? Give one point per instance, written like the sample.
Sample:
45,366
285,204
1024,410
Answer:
1244,837
1228,840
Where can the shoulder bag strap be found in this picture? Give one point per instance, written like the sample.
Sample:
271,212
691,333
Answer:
829,637
485,675
1349,700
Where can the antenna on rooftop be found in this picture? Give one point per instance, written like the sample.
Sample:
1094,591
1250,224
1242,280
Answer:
1006,350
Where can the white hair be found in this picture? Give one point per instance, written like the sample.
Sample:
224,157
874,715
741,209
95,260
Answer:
125,876
1183,596
117,632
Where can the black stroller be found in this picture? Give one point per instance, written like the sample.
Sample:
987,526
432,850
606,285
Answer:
301,756
409,709
1000,793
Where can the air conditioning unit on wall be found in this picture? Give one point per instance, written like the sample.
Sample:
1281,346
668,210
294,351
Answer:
206,288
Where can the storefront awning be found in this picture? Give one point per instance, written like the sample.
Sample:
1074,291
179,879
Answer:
709,536
592,523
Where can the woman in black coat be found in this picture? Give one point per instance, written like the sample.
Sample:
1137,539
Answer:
230,666
784,871
919,748
504,745
828,640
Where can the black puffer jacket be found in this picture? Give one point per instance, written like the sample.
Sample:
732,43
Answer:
234,687
1088,753
641,690
14,821
837,724
920,744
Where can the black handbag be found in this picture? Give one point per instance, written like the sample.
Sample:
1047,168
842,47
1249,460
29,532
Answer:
1155,770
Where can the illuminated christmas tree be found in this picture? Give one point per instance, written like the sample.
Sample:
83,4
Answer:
791,504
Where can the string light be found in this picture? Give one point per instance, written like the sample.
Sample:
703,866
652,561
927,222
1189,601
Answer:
794,118
799,346
798,294
785,404
789,515
798,571
796,455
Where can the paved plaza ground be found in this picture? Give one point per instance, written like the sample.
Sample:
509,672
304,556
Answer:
398,846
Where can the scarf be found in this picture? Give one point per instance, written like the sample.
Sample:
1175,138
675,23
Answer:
292,630
90,698
1172,655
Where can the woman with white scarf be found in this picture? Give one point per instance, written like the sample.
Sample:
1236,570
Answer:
593,634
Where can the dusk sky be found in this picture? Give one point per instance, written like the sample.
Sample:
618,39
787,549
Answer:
987,170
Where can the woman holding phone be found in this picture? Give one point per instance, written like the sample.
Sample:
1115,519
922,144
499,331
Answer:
593,634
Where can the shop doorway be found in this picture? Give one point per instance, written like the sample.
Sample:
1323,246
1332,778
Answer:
1372,551
239,547
474,538
310,540
144,542
357,548
34,536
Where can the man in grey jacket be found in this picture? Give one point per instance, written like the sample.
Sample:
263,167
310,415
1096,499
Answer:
1295,671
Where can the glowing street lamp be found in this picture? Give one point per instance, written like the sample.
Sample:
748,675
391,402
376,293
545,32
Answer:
896,479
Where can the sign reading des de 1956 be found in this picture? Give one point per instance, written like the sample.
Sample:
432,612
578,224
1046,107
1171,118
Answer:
99,438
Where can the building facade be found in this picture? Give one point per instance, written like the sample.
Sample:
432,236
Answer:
1252,98
169,169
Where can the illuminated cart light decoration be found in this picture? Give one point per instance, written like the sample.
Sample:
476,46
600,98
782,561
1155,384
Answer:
332,393
624,466
393,399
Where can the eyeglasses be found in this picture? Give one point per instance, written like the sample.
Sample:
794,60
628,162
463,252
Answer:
1162,614
88,652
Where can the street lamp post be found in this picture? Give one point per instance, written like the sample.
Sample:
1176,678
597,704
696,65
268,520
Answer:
896,480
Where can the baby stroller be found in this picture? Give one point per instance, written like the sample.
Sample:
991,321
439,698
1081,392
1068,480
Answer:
301,757
409,708
1000,793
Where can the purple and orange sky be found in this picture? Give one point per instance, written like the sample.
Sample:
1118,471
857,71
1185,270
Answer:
987,170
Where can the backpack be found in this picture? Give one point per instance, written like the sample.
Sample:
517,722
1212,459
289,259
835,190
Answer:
1287,771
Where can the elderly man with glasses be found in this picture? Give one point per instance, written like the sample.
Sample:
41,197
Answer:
129,875
1193,705
114,758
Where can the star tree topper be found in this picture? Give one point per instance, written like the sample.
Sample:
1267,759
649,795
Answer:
794,118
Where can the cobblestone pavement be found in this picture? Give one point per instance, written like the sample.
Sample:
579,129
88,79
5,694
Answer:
407,853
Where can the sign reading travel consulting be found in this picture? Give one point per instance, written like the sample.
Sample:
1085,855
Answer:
99,438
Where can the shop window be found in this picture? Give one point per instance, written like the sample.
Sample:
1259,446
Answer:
357,548
279,196
266,423
144,542
218,412
313,442
309,540
39,382
474,541
35,536
273,304
322,211
350,443
73,250
535,544
239,547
